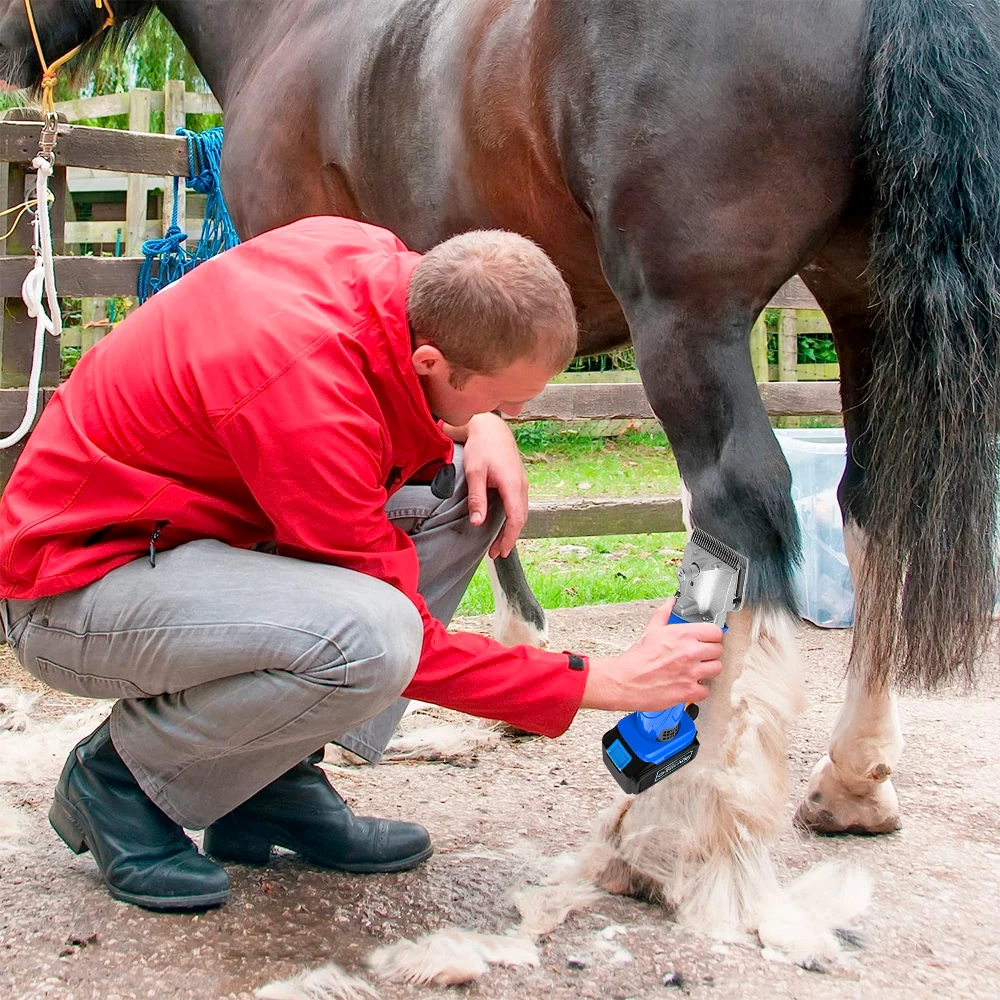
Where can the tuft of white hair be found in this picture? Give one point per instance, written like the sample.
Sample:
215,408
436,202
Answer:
440,743
450,957
15,709
10,822
800,923
509,627
699,842
544,907
328,982
36,757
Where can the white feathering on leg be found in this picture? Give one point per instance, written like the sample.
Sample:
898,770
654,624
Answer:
508,625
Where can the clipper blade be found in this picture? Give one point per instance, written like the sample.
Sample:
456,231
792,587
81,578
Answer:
711,580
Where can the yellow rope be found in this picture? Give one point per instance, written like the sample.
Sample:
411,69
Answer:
21,209
49,70
24,208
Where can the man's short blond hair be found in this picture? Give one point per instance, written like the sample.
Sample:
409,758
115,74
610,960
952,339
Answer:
487,298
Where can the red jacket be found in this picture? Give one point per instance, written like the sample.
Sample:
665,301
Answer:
267,396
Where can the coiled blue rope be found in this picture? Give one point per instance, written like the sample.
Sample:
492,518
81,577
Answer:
166,259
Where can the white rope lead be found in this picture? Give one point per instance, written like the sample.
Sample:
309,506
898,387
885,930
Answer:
41,278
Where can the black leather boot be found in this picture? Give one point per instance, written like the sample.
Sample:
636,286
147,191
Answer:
302,812
143,856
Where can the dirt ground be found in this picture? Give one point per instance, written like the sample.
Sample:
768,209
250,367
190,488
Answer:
934,926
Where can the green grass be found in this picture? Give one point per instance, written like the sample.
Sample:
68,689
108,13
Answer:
569,572
564,464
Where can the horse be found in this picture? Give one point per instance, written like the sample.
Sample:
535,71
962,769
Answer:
679,160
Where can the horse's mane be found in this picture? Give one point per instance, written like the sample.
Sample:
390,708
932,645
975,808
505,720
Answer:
113,42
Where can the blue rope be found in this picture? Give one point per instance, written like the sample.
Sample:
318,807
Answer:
167,259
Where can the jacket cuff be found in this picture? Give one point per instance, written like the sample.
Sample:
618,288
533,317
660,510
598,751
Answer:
567,693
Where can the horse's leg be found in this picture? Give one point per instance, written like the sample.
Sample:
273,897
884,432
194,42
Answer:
518,617
849,790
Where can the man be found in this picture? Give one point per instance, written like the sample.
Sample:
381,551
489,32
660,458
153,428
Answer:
245,516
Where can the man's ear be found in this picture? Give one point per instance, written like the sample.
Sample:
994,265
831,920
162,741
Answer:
427,360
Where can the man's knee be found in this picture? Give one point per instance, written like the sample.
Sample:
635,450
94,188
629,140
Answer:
374,646
399,627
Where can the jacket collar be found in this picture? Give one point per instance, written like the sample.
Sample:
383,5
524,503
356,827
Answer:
418,442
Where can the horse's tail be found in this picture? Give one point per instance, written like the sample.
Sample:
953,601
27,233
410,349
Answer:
931,145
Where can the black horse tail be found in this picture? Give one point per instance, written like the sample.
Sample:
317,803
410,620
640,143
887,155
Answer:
931,146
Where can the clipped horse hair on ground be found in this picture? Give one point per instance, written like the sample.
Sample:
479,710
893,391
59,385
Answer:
328,982
440,742
449,957
433,734
10,822
806,922
544,907
15,709
38,755
454,956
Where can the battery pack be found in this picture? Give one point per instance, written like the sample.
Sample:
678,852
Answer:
634,771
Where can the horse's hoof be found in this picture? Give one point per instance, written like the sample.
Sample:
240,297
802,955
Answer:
622,879
829,807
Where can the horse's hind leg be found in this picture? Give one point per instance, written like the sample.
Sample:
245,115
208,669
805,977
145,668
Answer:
850,789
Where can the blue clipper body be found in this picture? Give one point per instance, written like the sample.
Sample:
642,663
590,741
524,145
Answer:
647,746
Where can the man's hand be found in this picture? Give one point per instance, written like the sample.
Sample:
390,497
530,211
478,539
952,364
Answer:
492,461
665,667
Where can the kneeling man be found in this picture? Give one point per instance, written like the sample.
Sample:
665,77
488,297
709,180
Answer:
248,515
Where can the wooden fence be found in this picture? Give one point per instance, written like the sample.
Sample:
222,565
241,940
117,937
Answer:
76,276
175,102
627,401
132,223
144,154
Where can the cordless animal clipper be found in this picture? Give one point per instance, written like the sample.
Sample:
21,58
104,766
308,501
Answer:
647,746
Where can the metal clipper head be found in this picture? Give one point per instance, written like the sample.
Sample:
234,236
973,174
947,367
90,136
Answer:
710,581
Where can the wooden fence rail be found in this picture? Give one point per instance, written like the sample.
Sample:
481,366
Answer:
627,401
144,153
107,105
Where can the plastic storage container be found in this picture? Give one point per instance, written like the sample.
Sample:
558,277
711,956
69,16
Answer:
823,581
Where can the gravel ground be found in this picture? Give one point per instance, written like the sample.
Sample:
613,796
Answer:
934,925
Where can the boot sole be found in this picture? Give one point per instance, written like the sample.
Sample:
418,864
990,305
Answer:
258,852
388,867
71,827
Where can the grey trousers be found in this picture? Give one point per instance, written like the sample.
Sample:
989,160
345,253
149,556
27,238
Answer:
233,665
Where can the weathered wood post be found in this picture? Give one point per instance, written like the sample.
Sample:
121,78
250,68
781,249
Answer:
758,349
174,117
93,322
788,347
139,108
788,356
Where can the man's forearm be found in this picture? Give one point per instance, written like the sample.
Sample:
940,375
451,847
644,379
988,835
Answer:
461,434
458,434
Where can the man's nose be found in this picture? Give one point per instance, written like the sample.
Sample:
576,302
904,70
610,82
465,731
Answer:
511,409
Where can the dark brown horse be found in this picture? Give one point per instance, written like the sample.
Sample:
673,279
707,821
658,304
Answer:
679,160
